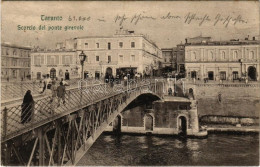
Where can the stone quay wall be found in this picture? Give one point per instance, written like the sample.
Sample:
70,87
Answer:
228,103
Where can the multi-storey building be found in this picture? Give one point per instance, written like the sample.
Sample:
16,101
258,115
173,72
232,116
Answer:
119,54
180,58
15,62
223,60
55,63
169,57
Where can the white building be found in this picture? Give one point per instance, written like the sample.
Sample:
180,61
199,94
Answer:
55,63
225,60
120,53
15,62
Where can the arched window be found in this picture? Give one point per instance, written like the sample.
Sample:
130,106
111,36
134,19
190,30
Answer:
223,55
251,55
235,56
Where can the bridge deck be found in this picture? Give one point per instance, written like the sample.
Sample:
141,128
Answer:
45,111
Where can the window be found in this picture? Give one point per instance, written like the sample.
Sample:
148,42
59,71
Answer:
194,55
165,60
7,52
251,55
14,73
14,52
121,58
223,75
3,62
235,55
67,59
132,44
132,58
211,55
97,58
97,45
121,44
37,60
109,59
235,75
14,62
52,60
223,56
108,45
86,45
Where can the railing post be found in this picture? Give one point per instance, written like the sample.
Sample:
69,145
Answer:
33,86
5,121
21,87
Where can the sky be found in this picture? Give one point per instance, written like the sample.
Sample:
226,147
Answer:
223,20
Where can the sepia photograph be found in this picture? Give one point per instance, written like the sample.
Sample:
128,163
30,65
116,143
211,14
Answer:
130,83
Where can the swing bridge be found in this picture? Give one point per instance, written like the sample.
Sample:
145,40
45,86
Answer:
62,135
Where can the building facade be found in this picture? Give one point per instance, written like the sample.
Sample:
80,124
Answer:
180,58
119,54
55,63
169,56
15,62
225,60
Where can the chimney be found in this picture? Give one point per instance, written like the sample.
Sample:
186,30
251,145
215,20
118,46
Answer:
186,41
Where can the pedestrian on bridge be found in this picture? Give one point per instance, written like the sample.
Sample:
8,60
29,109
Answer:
53,91
61,93
27,107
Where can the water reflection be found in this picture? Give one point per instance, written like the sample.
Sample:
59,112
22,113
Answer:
220,149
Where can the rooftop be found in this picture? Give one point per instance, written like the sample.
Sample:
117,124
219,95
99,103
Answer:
8,44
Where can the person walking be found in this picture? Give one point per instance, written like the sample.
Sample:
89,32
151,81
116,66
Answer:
53,91
27,107
43,85
53,96
125,80
61,93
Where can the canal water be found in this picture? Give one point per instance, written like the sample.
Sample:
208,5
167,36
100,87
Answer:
217,149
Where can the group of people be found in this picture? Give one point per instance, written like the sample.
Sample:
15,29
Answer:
49,87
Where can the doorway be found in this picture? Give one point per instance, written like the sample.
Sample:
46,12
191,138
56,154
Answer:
97,75
182,125
211,75
109,71
38,75
252,73
85,74
148,122
53,73
117,124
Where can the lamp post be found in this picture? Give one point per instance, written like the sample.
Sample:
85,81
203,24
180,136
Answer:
82,58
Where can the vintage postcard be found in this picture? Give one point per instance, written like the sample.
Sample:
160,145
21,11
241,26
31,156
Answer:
130,83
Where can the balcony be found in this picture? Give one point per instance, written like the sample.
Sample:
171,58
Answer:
108,63
52,65
249,60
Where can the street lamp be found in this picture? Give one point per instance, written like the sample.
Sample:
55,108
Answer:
82,58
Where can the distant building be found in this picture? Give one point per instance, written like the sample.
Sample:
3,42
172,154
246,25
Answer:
167,56
225,60
180,58
198,39
119,54
54,62
15,62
